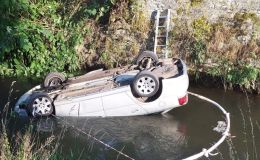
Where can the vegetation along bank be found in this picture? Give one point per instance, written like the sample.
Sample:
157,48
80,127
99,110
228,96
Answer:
68,36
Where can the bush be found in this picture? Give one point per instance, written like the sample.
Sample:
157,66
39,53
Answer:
198,52
41,36
195,3
202,29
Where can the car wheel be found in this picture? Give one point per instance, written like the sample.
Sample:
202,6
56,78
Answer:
147,60
54,79
145,84
40,104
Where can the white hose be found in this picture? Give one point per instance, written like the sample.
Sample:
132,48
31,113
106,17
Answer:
207,152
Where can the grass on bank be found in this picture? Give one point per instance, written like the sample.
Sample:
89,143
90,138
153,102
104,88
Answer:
23,145
228,49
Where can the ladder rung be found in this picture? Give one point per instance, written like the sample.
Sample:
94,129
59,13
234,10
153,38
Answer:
162,26
163,17
161,36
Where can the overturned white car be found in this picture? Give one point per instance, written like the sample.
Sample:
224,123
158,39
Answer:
146,87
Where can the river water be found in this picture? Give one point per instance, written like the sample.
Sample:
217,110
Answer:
179,134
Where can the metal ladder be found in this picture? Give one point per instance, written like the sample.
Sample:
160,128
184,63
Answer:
162,27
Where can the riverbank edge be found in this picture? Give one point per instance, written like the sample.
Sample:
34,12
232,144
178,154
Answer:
202,78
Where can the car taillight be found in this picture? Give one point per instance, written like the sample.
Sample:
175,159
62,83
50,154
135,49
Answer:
183,100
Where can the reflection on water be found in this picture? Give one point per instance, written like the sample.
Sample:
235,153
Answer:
147,136
182,132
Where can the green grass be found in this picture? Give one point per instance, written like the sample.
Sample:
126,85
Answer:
24,144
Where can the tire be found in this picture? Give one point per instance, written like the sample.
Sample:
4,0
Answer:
54,79
145,84
143,59
40,105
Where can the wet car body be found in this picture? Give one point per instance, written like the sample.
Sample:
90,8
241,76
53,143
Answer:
106,93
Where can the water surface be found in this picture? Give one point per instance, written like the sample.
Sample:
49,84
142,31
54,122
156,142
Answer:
181,133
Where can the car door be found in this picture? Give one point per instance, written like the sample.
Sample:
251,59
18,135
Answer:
91,105
117,102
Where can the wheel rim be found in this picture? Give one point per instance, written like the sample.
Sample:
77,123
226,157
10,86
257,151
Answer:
41,106
146,85
55,82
